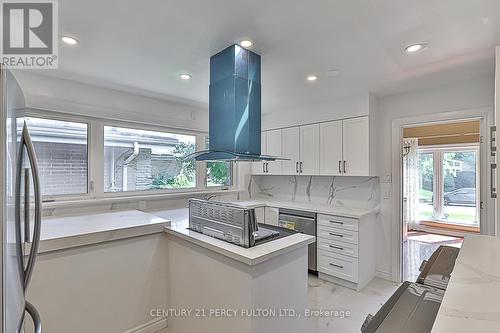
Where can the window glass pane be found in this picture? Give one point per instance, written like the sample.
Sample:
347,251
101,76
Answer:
459,187
61,151
426,168
136,160
219,173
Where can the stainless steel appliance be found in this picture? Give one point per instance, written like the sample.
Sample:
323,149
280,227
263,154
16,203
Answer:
411,309
229,222
436,271
18,174
414,306
303,222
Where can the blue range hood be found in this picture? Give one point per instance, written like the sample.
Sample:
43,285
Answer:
234,107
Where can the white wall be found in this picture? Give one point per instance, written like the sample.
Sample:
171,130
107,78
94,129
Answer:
108,287
50,93
468,95
353,106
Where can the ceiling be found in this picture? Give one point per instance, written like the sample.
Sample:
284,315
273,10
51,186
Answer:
143,46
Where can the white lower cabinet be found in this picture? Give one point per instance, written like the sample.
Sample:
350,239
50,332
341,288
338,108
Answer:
346,249
272,215
260,215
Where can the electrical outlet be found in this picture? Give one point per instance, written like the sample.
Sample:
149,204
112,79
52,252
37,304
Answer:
142,205
387,178
387,194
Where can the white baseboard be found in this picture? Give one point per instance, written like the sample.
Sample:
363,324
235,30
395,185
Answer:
383,275
151,326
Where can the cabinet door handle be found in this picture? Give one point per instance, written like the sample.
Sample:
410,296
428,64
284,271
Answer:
337,222
264,167
338,266
345,169
297,167
493,188
300,167
340,167
493,147
337,235
337,247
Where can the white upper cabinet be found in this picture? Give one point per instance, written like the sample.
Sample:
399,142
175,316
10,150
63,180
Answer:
273,148
334,148
309,149
330,148
290,150
355,147
260,167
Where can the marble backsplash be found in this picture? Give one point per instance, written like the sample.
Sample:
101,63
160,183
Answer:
357,192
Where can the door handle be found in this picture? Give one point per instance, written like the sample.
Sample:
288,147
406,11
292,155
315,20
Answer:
37,321
493,139
30,149
340,167
493,188
337,235
297,167
345,168
263,167
338,266
300,167
337,247
27,204
267,167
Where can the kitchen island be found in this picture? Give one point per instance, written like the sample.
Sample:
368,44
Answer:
215,286
471,301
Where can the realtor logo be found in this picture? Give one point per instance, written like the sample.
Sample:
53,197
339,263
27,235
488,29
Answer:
29,34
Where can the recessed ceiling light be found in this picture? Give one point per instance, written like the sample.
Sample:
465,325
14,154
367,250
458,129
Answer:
69,40
415,48
246,43
185,76
312,77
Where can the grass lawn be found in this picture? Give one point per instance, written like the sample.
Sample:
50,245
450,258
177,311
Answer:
425,195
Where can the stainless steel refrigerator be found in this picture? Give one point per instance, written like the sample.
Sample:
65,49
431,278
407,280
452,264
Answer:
20,219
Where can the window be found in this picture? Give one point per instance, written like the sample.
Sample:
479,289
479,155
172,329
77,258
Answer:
137,160
219,173
61,150
449,190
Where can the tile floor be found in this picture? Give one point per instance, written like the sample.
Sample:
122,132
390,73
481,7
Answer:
328,296
418,247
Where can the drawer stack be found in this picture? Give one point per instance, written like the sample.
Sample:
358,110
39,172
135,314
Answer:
342,245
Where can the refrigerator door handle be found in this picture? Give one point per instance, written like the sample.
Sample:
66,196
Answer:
37,322
30,149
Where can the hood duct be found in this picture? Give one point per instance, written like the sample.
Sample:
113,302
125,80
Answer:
234,107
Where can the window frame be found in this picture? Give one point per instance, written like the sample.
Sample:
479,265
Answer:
438,183
95,156
34,113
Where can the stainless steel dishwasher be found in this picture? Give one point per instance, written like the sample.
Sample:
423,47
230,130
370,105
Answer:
303,222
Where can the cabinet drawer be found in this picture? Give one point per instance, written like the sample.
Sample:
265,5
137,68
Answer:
342,222
337,265
334,233
339,247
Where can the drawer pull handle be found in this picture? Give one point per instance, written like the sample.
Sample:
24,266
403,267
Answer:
337,222
337,247
338,266
337,235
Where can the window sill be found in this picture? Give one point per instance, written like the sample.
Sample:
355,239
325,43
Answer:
87,202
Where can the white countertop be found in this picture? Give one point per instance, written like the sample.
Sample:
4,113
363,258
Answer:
251,256
317,208
472,299
71,231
